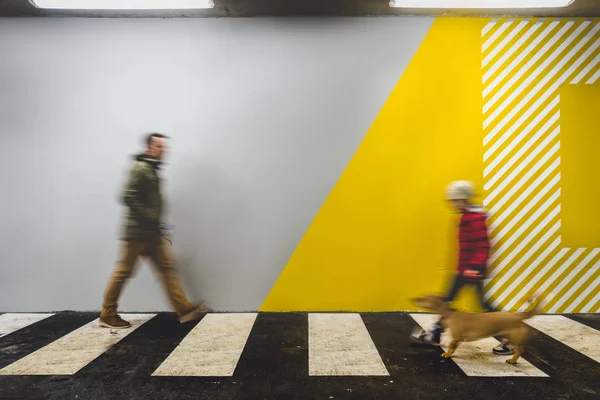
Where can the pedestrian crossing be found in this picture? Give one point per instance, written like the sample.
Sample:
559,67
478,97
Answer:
337,344
10,323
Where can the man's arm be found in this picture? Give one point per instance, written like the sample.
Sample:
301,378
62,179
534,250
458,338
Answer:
131,194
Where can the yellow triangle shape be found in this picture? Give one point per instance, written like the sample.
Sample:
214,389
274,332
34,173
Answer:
385,234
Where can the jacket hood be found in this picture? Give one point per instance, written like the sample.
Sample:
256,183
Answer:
150,160
477,209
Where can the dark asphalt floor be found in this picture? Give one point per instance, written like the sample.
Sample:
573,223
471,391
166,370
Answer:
274,365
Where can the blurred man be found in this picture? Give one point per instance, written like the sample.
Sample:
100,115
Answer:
143,237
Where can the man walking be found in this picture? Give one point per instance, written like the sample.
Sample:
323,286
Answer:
143,237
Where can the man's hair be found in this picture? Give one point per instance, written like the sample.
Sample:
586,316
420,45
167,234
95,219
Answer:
154,135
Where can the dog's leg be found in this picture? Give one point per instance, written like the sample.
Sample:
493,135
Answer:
515,357
451,349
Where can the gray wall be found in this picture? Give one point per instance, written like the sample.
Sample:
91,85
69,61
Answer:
264,115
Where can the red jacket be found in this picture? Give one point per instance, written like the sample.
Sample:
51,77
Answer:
474,245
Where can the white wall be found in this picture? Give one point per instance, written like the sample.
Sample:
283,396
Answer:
264,115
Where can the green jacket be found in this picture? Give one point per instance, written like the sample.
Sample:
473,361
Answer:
143,199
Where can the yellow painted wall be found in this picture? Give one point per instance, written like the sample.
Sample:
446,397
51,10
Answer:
385,234
580,152
382,235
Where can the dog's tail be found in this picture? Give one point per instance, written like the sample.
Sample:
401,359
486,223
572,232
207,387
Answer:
534,308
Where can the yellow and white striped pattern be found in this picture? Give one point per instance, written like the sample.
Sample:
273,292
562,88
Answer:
524,62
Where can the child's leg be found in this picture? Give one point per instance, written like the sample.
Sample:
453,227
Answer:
505,348
481,297
434,334
458,282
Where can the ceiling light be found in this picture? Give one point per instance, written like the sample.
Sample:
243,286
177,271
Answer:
123,4
479,3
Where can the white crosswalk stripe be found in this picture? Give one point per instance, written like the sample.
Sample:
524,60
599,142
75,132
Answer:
12,322
74,351
339,344
577,336
212,348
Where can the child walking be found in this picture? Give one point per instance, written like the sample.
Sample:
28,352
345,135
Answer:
474,249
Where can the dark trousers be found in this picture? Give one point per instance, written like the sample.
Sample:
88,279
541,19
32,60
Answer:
458,283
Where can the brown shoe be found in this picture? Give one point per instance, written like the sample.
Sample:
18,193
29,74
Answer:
194,314
114,322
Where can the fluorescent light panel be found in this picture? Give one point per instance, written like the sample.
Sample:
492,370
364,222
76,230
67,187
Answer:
479,3
123,4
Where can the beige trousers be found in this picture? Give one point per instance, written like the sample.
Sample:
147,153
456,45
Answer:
158,250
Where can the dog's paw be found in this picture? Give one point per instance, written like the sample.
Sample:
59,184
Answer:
446,355
511,361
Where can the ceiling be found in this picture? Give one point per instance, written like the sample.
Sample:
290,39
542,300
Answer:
287,8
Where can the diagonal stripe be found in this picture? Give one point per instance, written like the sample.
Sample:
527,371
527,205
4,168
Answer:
525,210
74,351
500,217
525,53
575,287
494,68
506,260
524,164
591,303
550,281
522,261
594,78
571,275
487,28
525,289
528,175
590,289
532,62
522,150
587,69
504,42
534,123
576,335
340,345
530,268
496,34
10,323
476,359
212,348
522,70
525,226
544,81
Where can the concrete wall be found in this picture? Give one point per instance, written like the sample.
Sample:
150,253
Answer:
309,157
264,114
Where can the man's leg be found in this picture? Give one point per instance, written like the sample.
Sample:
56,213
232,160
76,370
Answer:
163,260
109,317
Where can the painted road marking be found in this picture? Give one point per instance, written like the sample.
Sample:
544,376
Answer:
339,344
576,335
72,352
212,348
10,323
476,358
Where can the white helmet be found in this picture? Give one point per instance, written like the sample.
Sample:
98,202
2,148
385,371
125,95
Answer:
460,190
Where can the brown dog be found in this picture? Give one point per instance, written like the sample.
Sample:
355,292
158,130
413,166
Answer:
467,327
